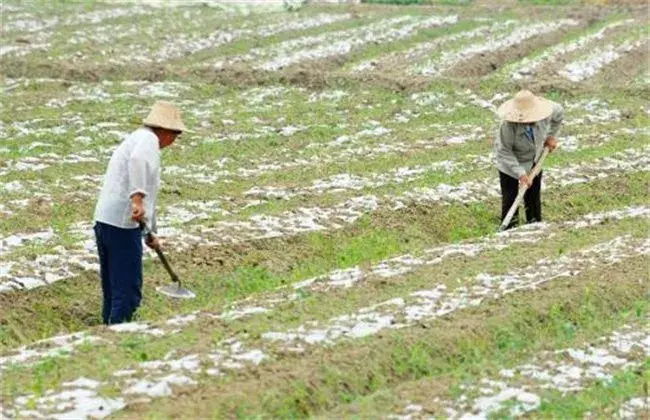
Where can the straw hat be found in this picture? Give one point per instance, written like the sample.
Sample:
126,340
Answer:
525,108
165,115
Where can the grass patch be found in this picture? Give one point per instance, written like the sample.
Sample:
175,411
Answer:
600,400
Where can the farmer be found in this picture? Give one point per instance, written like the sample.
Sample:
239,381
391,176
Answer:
529,123
127,197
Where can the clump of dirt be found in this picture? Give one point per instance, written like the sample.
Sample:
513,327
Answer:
396,82
222,258
306,77
40,207
633,3
546,84
236,75
274,255
242,75
16,67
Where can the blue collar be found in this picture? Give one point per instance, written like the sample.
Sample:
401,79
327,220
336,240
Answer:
530,133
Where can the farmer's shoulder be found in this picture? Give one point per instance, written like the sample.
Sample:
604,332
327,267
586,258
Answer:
556,116
144,134
142,137
558,109
507,128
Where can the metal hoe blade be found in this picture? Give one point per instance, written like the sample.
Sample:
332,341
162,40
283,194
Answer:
176,291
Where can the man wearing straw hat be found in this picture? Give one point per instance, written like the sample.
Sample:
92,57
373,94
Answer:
127,197
529,124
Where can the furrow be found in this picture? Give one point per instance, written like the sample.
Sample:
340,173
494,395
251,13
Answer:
311,41
348,45
185,45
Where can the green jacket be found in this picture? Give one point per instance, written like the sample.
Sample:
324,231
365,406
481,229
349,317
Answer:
514,152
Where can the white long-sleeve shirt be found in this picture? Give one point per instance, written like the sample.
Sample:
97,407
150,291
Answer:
134,168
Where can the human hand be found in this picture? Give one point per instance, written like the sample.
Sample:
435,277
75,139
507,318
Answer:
551,143
137,208
152,242
524,180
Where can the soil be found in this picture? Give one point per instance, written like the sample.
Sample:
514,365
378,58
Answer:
40,208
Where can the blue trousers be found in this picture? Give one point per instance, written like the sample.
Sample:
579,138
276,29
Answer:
120,262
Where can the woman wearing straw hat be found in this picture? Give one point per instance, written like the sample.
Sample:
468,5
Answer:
529,123
127,197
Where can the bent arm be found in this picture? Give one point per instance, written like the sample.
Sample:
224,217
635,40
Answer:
557,118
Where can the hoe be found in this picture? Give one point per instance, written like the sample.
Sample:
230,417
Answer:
174,290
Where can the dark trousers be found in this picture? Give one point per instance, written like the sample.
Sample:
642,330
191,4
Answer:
120,261
532,199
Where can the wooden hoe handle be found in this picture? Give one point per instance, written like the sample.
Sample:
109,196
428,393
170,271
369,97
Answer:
522,190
